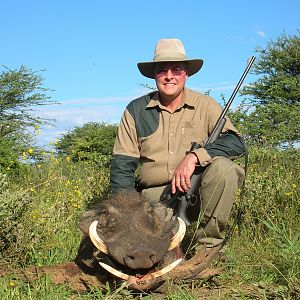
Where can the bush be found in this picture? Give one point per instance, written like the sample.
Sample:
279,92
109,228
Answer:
13,206
92,142
8,156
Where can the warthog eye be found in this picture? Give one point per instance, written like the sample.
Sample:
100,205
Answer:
102,221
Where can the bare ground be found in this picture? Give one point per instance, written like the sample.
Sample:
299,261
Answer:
69,273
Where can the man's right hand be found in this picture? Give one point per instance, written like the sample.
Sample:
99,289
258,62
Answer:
181,179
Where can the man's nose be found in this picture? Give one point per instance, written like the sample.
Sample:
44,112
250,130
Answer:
169,74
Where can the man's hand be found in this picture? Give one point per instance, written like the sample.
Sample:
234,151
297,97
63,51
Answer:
181,179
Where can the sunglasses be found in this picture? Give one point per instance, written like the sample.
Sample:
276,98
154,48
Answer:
176,70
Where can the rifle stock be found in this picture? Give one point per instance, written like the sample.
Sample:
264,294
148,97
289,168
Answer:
186,197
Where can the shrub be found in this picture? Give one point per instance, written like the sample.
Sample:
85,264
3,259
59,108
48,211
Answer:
13,205
92,142
8,156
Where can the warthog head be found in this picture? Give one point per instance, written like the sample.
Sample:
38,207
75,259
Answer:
134,234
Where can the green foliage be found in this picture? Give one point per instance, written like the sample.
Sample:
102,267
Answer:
279,67
13,206
285,244
264,256
91,142
272,125
272,116
38,221
8,156
15,157
267,249
20,91
272,188
42,289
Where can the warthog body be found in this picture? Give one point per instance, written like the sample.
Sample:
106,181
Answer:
133,236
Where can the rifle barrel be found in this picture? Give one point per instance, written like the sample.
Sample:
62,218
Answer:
222,116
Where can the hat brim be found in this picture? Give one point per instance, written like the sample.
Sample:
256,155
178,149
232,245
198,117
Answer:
147,68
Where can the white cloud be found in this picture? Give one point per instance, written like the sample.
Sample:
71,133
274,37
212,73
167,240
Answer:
216,87
241,39
48,135
260,33
77,116
76,112
68,118
97,101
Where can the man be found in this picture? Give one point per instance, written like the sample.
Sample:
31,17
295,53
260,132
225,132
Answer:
156,132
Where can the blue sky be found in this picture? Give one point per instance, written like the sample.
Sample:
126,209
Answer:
89,49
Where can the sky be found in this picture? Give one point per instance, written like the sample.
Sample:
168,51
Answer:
88,49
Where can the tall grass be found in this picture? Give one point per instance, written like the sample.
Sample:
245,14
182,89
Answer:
266,248
39,212
53,196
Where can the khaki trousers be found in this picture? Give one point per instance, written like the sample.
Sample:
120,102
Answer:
219,183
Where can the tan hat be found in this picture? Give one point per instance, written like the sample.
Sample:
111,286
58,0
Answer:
169,50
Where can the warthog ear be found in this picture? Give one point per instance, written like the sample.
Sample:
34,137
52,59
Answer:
148,207
169,214
86,220
163,217
159,211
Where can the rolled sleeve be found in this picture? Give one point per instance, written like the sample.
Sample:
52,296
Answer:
203,156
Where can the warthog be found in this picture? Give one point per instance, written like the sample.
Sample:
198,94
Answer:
137,241
130,238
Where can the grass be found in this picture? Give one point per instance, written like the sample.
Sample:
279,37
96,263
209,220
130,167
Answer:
41,289
263,256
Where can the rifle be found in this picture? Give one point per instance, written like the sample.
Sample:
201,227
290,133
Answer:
187,197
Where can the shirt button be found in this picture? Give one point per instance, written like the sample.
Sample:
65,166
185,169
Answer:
171,152
171,171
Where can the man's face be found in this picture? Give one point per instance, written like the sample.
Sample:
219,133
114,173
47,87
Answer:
170,79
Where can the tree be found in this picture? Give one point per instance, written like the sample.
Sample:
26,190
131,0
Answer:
273,112
92,142
20,91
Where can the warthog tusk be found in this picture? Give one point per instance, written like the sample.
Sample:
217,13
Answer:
178,237
114,271
166,269
147,277
99,244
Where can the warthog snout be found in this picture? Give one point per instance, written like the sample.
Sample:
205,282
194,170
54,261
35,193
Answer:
140,258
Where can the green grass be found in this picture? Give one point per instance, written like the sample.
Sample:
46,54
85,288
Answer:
44,204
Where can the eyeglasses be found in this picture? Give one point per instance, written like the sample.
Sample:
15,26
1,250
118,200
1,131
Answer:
176,70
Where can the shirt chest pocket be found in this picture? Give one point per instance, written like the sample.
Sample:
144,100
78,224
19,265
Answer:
193,131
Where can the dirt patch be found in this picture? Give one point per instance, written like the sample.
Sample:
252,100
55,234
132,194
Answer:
66,273
69,273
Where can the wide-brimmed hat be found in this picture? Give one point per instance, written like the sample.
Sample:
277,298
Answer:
169,50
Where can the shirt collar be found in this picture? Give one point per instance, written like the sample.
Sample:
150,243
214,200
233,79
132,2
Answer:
154,101
186,99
